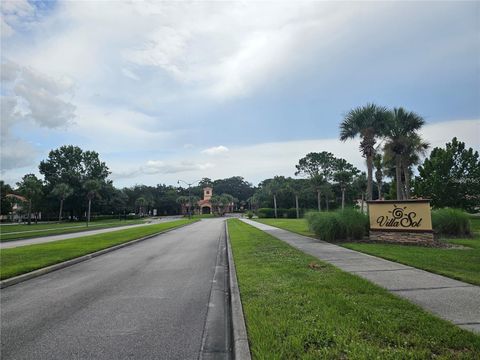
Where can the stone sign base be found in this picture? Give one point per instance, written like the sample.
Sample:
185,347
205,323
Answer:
407,238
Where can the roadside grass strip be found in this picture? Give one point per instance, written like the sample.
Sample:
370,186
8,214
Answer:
298,307
23,259
17,232
457,263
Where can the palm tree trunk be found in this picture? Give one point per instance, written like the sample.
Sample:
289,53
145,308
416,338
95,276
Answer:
369,176
406,173
379,188
88,214
275,204
29,212
398,176
296,205
319,198
326,201
61,210
343,198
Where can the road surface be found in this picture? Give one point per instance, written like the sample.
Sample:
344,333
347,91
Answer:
145,301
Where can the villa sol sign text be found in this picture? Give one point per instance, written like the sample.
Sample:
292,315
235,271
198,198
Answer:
410,215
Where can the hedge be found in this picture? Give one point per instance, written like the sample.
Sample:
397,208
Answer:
345,224
451,222
281,213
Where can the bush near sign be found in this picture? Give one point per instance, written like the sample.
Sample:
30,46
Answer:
407,221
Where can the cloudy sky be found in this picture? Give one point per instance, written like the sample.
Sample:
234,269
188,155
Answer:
177,90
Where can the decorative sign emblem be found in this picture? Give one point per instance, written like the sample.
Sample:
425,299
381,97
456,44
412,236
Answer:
400,215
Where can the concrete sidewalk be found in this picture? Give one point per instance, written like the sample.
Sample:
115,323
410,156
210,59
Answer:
449,299
45,239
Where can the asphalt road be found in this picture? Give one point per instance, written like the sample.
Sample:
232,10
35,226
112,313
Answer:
44,239
145,301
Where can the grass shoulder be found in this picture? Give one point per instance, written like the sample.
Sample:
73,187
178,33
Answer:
22,231
23,259
457,263
297,307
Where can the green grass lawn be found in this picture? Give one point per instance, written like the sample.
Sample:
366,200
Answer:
23,231
297,307
298,226
461,264
23,259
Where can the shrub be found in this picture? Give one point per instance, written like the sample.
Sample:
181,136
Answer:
338,225
249,214
453,222
354,222
266,213
281,213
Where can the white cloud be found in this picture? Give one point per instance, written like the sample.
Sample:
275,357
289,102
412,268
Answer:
14,14
260,161
38,97
216,150
130,74
158,167
16,153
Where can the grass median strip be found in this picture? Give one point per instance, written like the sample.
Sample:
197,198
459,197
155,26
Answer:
457,263
297,307
17,232
23,259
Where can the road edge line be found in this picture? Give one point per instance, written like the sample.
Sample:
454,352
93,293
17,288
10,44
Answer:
39,272
241,348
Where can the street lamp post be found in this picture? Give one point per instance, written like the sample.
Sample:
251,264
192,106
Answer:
189,195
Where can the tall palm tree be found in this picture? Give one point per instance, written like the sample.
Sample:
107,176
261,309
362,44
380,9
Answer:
369,122
402,127
92,186
377,162
62,191
318,181
183,201
415,149
343,179
273,188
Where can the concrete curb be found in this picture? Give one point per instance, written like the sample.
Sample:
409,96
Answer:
241,349
33,274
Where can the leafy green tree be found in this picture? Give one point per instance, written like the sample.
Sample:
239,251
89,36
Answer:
369,122
62,191
92,186
71,165
319,167
450,177
31,188
401,134
6,203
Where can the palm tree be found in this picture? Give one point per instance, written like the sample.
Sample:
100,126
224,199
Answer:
317,182
343,178
183,201
377,162
92,186
296,187
414,150
141,202
62,191
273,187
402,127
369,122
